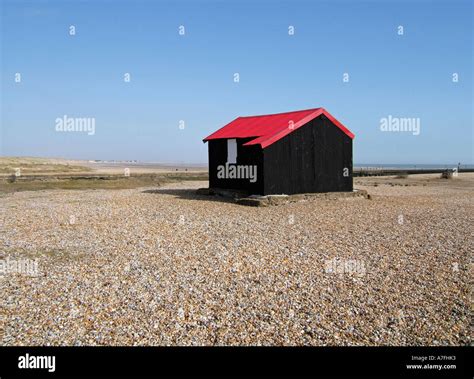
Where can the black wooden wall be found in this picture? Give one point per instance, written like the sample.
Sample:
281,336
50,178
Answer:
246,155
310,159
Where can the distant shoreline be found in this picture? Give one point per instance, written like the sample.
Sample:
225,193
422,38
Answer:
147,165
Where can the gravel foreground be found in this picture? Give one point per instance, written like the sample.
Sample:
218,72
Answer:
164,266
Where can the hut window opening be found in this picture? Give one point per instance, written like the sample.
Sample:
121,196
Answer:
231,151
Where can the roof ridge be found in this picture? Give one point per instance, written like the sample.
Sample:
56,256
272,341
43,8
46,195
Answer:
275,114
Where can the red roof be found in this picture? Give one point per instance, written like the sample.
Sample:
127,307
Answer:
268,129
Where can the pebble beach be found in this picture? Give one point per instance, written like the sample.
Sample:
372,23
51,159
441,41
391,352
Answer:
166,266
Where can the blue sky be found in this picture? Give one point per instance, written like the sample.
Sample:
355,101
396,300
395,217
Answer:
191,77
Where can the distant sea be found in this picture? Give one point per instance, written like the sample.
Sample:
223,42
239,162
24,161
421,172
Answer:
412,166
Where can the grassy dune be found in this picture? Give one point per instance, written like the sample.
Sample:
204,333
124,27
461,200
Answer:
29,166
111,182
47,173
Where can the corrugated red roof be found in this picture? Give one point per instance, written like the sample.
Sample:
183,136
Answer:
268,129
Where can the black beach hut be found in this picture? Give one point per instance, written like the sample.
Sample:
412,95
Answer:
285,153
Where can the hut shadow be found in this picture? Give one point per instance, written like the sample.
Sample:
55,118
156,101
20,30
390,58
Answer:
188,194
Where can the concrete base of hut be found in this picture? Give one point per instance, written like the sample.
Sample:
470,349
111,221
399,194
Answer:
243,198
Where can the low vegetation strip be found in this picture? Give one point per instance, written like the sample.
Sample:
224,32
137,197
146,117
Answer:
28,166
81,182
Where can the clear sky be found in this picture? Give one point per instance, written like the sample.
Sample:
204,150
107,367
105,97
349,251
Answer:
190,77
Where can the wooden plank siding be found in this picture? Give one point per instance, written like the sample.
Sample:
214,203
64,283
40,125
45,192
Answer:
310,159
248,155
